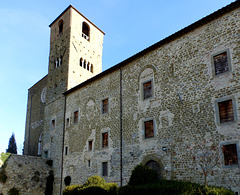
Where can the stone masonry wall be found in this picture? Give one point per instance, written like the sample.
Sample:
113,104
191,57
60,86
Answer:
25,173
183,108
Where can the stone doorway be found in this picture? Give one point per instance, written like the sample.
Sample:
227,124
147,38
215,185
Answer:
155,166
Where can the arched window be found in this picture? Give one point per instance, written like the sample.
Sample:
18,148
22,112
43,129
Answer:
40,145
85,31
67,180
60,28
84,64
88,66
91,68
81,62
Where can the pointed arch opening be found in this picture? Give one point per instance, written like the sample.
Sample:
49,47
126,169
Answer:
85,31
60,28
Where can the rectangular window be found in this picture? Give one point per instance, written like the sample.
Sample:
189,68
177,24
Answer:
230,154
89,163
221,63
90,145
46,154
149,129
147,90
105,106
105,140
75,117
226,113
104,169
53,124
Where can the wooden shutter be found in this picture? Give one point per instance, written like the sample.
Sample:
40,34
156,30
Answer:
147,90
221,63
149,130
105,140
105,106
226,111
230,154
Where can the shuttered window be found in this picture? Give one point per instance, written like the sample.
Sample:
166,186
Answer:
149,129
226,112
105,140
230,154
104,169
105,106
221,63
75,116
147,90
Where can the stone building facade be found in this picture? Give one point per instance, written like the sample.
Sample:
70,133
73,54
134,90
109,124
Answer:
152,108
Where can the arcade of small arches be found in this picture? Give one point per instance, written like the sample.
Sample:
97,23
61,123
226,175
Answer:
86,65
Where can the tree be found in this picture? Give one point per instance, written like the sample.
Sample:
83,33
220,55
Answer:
207,156
12,146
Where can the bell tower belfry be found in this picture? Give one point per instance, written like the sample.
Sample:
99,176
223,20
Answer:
75,49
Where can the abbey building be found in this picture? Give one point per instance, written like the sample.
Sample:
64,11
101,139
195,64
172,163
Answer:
151,108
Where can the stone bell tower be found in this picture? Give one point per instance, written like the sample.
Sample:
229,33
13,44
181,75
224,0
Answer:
75,56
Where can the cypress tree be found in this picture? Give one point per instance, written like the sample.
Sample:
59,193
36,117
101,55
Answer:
12,146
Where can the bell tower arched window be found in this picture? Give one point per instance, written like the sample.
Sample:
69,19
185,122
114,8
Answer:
85,31
60,28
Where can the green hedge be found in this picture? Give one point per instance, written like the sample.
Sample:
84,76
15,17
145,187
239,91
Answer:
165,187
95,185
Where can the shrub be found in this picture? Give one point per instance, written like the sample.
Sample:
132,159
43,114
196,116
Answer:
95,181
3,176
13,191
143,175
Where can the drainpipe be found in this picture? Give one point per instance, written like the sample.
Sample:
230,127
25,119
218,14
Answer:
63,139
121,136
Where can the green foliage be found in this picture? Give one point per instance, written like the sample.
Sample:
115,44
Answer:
94,185
13,191
4,157
165,187
3,176
143,175
12,146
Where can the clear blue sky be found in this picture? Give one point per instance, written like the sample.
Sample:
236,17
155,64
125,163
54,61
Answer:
130,26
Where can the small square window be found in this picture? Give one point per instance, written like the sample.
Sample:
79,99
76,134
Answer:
105,106
75,117
90,145
221,63
104,169
147,90
230,154
53,124
68,122
226,112
148,129
105,140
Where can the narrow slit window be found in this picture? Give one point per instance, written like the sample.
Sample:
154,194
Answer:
104,169
105,140
147,90
53,124
81,62
60,28
90,145
149,129
66,150
105,106
68,122
75,116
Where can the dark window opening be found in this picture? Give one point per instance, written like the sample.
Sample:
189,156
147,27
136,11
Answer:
75,117
89,163
60,28
91,69
230,154
84,64
226,113
105,140
67,180
66,150
104,169
81,62
68,122
88,66
90,145
147,90
85,31
46,154
105,106
221,63
53,124
149,129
